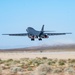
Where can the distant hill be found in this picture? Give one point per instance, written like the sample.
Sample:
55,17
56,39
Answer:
43,47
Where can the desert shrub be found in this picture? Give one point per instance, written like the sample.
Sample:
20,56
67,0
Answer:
21,65
44,58
29,69
7,64
51,62
37,62
2,61
42,69
70,70
30,62
71,60
27,64
57,70
3,66
22,62
9,60
72,65
16,61
14,70
0,71
62,62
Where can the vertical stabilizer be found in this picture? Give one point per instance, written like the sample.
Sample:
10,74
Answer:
42,28
42,31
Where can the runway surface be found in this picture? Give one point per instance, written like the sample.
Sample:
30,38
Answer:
18,55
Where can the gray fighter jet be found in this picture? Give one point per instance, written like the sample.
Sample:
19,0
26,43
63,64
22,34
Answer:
32,33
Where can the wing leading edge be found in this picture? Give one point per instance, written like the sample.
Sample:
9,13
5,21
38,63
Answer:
52,34
20,34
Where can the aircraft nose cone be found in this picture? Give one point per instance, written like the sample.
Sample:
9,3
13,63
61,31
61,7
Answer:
27,29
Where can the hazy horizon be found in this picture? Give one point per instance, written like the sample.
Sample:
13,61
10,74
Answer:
41,45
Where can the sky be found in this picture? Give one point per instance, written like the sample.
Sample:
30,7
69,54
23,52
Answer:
17,15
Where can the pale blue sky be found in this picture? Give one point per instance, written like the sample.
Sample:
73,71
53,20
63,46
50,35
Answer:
17,15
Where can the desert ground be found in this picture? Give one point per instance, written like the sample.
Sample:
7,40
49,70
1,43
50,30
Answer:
52,55
59,52
42,61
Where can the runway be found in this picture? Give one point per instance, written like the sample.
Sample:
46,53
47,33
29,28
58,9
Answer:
52,55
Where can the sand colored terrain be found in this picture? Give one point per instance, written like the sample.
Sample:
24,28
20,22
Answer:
59,52
61,62
18,55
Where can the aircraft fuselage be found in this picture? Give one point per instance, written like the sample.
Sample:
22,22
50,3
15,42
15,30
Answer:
32,33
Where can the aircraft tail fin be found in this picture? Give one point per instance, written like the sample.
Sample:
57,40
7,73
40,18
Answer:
42,28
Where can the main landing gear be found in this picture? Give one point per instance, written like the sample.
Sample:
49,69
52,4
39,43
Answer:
40,39
32,39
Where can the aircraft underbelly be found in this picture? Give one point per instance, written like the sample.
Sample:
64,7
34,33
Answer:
34,34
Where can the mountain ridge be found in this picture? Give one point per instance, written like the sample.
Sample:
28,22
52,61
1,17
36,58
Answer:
43,47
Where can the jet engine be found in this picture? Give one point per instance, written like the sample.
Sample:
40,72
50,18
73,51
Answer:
44,36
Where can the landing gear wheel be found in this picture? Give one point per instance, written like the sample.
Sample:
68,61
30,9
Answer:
32,39
40,39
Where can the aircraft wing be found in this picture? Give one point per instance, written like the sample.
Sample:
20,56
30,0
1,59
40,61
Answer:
52,34
19,34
